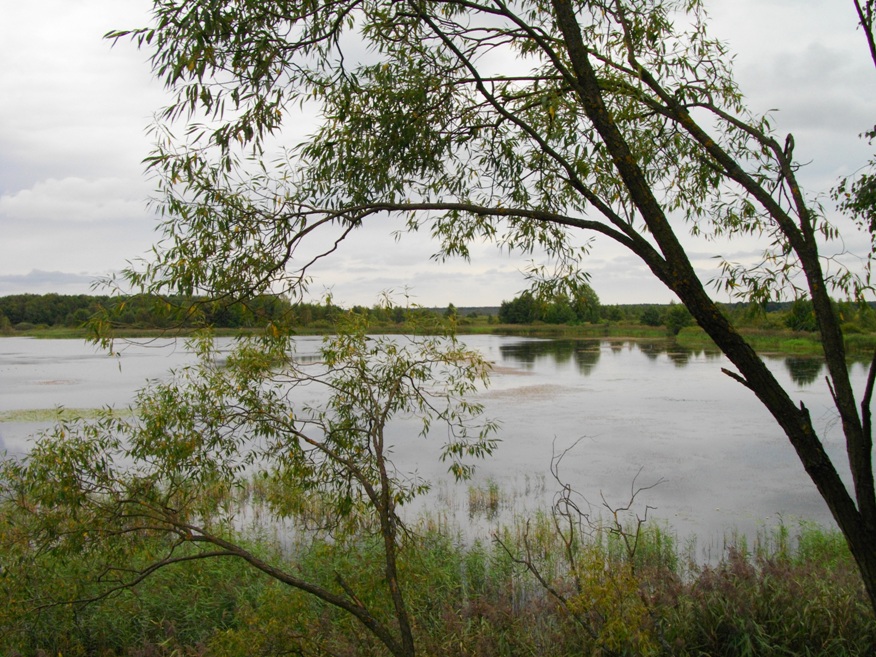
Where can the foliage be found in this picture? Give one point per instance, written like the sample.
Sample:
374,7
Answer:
579,305
125,497
801,317
866,13
520,310
651,317
783,595
533,126
586,304
676,318
141,311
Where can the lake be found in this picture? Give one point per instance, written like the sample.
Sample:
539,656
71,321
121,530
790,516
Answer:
631,413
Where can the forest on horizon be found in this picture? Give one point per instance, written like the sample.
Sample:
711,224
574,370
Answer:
28,312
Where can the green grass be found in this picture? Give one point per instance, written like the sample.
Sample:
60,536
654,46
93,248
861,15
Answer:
789,592
55,414
782,342
766,341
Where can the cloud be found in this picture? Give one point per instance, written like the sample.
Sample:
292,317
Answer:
807,62
72,105
73,225
44,282
76,199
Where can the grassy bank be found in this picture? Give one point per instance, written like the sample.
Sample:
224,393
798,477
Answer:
767,341
783,342
764,341
790,593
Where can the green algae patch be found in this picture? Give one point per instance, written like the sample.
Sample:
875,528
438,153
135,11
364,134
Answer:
58,414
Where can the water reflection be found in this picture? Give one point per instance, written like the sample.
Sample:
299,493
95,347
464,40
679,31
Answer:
617,346
587,357
803,371
652,349
636,403
679,357
584,353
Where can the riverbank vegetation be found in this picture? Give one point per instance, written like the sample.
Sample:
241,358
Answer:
225,518
771,328
790,592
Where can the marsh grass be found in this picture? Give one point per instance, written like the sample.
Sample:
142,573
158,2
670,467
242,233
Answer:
789,590
485,500
59,414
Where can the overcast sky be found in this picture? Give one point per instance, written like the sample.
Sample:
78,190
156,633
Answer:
73,114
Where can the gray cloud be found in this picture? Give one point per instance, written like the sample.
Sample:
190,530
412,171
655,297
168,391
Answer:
44,282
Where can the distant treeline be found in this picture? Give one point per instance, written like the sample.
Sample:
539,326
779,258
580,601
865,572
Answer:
28,311
582,306
856,317
22,312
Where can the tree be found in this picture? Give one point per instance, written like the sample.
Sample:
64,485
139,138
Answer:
524,309
676,318
553,306
586,304
558,311
651,317
616,117
866,12
167,477
801,317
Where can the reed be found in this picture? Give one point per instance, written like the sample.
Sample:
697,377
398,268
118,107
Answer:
790,590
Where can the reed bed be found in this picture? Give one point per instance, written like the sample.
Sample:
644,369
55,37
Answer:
604,589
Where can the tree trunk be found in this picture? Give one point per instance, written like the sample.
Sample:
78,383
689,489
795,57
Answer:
679,275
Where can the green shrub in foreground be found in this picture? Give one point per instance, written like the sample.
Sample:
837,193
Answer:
784,596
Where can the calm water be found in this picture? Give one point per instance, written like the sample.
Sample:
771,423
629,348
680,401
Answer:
627,411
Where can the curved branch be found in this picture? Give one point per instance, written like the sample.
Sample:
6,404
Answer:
351,605
865,18
635,240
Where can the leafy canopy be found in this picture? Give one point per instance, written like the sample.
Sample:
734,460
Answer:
166,484
533,125
466,118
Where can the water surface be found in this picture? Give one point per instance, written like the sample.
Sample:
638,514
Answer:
630,414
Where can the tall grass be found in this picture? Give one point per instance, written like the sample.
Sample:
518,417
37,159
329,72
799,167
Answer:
787,593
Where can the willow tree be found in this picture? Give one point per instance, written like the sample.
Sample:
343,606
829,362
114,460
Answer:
531,124
98,506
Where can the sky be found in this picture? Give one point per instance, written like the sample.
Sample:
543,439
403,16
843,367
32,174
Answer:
74,113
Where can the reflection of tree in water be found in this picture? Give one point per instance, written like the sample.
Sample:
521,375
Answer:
652,349
682,355
584,352
803,371
710,354
617,346
587,356
524,353
679,355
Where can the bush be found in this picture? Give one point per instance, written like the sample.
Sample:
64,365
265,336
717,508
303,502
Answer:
677,317
651,317
801,316
787,595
